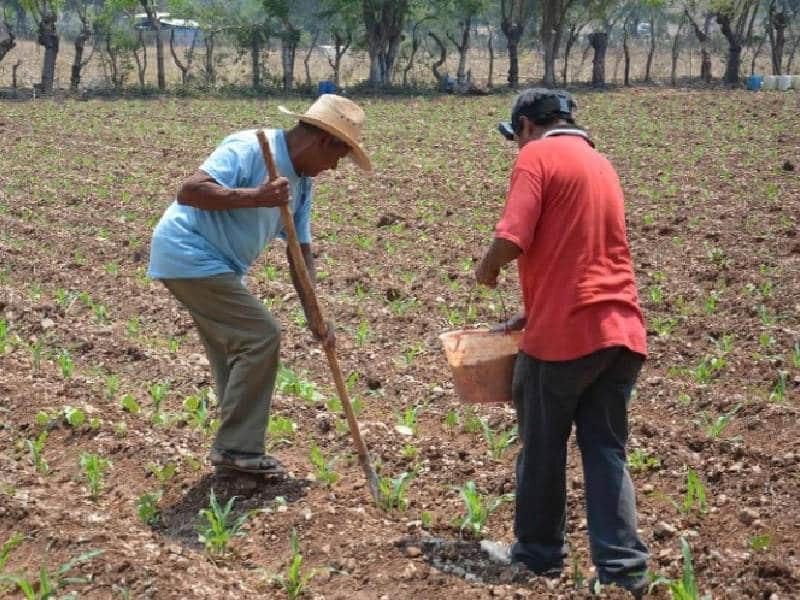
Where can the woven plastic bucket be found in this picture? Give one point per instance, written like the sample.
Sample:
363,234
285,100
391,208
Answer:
482,363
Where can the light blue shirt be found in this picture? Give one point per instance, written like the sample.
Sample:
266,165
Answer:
190,242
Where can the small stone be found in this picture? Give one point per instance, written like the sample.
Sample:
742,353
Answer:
663,531
413,552
747,516
788,166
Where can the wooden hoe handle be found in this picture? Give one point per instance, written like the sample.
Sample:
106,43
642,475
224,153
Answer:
319,326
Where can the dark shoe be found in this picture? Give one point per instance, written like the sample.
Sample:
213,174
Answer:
637,587
246,462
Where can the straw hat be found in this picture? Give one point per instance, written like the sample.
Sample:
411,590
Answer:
341,118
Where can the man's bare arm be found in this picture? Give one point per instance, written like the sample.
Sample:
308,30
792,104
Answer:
202,191
500,253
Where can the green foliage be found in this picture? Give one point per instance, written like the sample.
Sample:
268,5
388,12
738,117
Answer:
289,382
94,467
281,431
478,508
65,363
695,494
778,392
196,413
760,543
639,460
686,587
294,582
323,468
499,441
35,448
216,532
362,333
163,474
8,547
74,417
49,584
471,423
715,428
450,419
128,403
147,507
408,419
392,491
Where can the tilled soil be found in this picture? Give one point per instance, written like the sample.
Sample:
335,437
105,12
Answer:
713,191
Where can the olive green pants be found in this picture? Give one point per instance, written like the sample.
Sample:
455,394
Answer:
242,342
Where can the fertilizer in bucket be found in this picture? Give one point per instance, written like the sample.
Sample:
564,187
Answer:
482,363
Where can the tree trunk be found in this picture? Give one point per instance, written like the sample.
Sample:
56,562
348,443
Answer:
48,37
737,34
141,62
289,41
77,62
151,10
189,56
702,36
652,50
116,80
676,49
552,23
599,42
384,21
210,74
341,44
776,28
414,48
6,39
792,52
463,50
756,53
308,57
14,68
442,59
513,61
490,46
255,56
572,37
627,53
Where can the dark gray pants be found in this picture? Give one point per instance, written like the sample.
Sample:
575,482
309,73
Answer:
242,342
593,392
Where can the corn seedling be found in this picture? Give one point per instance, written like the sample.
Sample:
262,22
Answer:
94,468
64,360
695,494
362,334
427,519
707,369
289,382
134,326
767,319
715,428
472,423
450,419
100,312
74,417
498,442
778,392
409,451
760,543
216,532
323,468
147,507
195,412
294,582
392,491
686,587
3,336
478,508
8,547
35,448
639,460
408,419
281,431
158,391
129,404
163,474
48,584
36,349
711,301
664,326
411,353
112,386
796,355
578,579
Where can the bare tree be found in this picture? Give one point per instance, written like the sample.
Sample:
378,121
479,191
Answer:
439,76
7,39
311,46
676,49
185,68
779,16
736,18
45,14
514,16
703,38
85,13
384,21
554,17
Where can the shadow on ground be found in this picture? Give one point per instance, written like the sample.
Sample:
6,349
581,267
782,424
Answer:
178,518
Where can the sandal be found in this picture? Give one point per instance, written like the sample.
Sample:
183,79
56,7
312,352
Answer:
246,462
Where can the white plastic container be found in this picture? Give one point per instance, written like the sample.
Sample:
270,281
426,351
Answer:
784,82
770,83
796,82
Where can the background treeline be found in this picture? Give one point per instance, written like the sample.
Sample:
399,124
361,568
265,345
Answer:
459,45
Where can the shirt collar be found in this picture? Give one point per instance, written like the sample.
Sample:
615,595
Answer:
568,130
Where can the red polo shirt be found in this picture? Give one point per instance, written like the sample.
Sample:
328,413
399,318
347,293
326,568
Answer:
565,211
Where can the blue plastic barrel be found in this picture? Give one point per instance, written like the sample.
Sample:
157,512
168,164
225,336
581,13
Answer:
754,82
326,87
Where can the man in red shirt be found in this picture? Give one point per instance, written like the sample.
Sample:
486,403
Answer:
583,343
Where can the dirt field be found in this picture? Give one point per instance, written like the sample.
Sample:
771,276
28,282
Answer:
105,362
